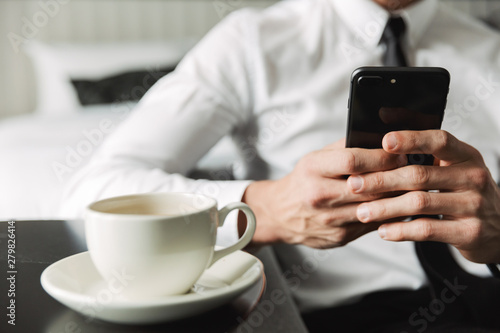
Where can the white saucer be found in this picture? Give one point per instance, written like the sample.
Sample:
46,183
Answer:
75,282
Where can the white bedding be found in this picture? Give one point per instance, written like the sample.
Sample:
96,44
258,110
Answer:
31,147
40,153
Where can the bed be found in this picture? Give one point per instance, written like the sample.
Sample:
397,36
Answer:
87,94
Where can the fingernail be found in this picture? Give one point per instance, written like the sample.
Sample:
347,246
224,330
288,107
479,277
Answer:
402,160
392,142
363,213
356,183
382,232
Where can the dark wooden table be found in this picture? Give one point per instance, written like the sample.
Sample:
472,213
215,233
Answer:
41,243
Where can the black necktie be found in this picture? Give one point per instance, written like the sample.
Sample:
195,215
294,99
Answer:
392,38
479,296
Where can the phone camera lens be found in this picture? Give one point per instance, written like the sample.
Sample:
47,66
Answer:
370,81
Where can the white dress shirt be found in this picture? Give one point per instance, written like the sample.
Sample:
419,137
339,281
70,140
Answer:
277,81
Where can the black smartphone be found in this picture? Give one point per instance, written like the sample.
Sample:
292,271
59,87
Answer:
385,99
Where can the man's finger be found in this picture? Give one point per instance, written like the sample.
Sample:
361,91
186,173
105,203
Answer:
417,177
336,163
328,193
419,203
340,216
439,143
426,229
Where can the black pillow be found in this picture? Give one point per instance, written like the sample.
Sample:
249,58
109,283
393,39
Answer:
124,87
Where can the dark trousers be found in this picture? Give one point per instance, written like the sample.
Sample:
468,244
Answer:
401,311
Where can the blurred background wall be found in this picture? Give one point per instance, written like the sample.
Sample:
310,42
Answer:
115,20
93,21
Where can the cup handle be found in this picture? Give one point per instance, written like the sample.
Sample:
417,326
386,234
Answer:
247,236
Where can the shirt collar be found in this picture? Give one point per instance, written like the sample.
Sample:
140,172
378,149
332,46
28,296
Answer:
367,20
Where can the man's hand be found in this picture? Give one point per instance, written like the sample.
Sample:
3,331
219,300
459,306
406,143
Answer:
468,197
313,205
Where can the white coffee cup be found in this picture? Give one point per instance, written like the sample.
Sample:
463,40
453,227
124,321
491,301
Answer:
158,244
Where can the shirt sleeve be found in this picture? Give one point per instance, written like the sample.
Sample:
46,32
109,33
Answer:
174,126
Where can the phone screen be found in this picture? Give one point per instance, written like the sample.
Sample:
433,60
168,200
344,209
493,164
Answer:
385,99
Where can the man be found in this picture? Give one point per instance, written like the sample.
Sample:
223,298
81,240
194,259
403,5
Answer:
277,81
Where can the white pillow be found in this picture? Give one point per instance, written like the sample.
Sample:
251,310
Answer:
54,92
57,64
